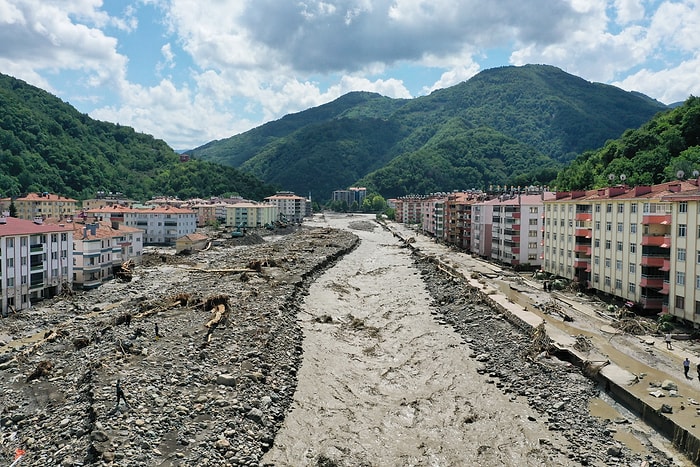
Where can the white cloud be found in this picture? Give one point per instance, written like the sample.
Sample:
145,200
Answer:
668,85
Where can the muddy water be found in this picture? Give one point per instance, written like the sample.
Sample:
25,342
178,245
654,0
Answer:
383,384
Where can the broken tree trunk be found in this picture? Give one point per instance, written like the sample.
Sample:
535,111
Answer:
217,315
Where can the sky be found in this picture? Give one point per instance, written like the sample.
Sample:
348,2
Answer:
192,71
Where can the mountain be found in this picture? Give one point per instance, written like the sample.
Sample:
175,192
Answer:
504,126
665,148
47,145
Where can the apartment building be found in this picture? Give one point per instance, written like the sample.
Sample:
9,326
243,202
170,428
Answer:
638,244
432,211
458,218
42,205
290,207
251,214
482,227
351,195
34,262
100,248
409,209
162,225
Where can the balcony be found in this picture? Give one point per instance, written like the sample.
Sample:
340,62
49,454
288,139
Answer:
667,265
583,233
580,263
653,261
653,240
582,249
651,303
656,219
516,215
653,282
584,216
37,248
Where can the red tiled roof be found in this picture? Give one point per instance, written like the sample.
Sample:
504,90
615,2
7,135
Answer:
45,197
14,226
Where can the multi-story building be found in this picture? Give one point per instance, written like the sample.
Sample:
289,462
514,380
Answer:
35,261
100,248
351,195
408,209
631,243
251,214
42,205
290,207
458,218
433,215
482,227
162,225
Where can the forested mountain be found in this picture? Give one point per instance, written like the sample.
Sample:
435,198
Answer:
510,125
47,145
666,147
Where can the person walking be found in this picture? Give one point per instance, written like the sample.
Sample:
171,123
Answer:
686,367
120,394
668,341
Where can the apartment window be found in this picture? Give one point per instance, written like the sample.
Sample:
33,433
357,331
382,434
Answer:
596,260
633,248
680,254
618,265
533,221
680,278
597,225
618,284
633,228
697,307
633,268
697,281
64,237
597,208
618,246
608,226
607,281
10,243
608,207
681,230
683,206
680,302
596,242
620,208
607,262
620,227
54,238
532,233
532,245
632,288
608,244
596,277
533,210
10,262
633,207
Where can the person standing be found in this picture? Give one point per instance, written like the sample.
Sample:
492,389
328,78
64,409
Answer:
698,369
120,394
668,341
686,367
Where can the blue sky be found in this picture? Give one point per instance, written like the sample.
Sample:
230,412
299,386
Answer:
191,71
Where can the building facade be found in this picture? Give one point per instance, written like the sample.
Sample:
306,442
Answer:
42,206
290,207
251,214
35,262
162,225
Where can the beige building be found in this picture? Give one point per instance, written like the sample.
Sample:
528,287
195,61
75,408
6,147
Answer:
43,205
251,214
638,244
290,207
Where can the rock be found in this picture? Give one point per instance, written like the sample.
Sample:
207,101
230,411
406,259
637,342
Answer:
669,385
665,408
226,380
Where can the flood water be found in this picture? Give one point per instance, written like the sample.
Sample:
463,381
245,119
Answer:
382,383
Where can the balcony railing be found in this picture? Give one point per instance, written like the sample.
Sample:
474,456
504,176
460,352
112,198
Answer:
653,261
653,240
656,219
653,282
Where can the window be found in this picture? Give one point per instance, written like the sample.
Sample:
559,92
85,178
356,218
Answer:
608,226
683,206
620,208
64,237
632,288
618,283
607,262
10,243
533,221
618,265
697,281
681,230
680,278
607,281
633,248
532,245
608,244
10,262
597,208
608,207
633,228
533,209
680,302
597,225
596,260
596,242
596,277
680,254
633,268
620,227
618,246
633,207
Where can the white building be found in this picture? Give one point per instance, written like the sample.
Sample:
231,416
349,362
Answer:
162,225
99,249
251,214
291,207
35,261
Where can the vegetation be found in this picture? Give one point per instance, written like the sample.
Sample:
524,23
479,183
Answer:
47,145
505,126
653,153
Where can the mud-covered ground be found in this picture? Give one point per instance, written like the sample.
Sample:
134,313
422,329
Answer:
199,395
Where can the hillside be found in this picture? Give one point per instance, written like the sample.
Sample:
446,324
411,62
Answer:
662,149
47,145
510,125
